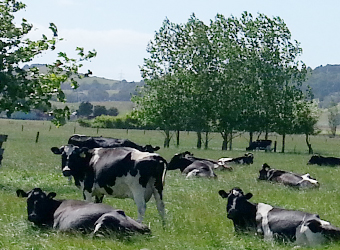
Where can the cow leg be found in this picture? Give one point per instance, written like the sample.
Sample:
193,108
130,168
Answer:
160,204
99,198
139,198
87,196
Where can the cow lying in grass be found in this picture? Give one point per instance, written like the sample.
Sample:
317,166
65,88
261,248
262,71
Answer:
192,166
277,223
74,215
246,159
287,178
324,161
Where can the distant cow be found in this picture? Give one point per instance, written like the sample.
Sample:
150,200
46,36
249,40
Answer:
120,172
260,145
248,158
277,223
73,215
107,142
287,178
321,160
192,166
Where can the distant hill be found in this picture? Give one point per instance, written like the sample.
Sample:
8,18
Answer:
324,81
96,89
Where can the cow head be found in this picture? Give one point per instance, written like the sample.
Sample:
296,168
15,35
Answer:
264,172
72,157
40,206
239,209
180,161
250,158
315,159
149,148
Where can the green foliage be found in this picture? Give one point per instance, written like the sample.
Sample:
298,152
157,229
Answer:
99,110
22,90
333,117
232,75
85,109
113,111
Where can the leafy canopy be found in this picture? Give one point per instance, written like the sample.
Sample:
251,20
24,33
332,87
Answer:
22,90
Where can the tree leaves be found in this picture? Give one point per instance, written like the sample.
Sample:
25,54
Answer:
22,90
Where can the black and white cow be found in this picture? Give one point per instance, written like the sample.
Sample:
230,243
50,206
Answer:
119,172
74,215
287,178
247,159
260,145
277,223
321,160
192,166
107,142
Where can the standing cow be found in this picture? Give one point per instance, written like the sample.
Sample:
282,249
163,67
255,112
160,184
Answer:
277,223
119,172
73,215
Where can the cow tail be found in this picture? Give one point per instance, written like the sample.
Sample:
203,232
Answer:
165,167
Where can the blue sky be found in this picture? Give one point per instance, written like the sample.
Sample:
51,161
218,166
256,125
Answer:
120,30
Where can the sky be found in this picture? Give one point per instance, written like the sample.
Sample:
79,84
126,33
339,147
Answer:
119,30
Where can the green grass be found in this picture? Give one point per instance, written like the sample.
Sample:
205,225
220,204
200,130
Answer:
196,217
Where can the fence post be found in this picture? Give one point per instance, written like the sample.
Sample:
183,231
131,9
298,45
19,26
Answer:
3,138
37,137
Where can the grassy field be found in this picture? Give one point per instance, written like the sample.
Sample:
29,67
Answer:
196,217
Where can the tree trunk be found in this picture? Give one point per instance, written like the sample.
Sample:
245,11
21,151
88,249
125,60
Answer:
283,143
225,141
199,139
250,137
167,139
177,138
206,143
231,141
310,149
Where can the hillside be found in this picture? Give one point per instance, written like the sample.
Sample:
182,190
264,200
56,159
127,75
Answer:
324,81
96,89
325,84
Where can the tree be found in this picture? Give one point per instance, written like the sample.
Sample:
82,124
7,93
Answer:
306,117
162,100
113,111
21,89
85,109
99,110
333,117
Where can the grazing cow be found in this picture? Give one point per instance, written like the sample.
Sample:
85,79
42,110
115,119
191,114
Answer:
321,160
74,215
277,223
248,158
192,166
287,178
120,172
260,145
107,142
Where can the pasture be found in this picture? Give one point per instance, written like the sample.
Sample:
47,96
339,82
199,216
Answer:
196,216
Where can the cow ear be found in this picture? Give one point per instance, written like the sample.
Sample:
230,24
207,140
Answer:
51,195
56,150
223,193
156,148
248,196
21,193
